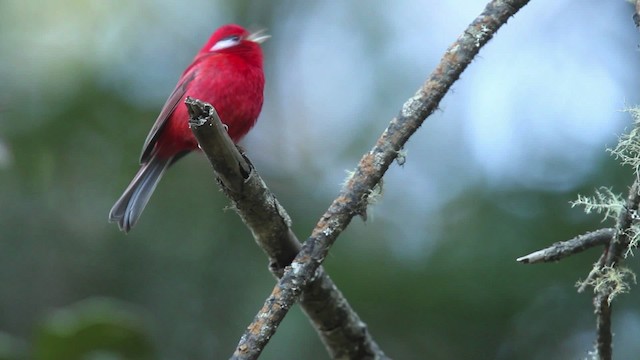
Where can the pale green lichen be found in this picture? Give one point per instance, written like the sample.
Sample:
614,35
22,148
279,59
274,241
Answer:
346,180
402,157
627,151
375,194
369,198
610,280
633,233
604,201
614,280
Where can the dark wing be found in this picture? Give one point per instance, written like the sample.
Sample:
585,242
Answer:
176,97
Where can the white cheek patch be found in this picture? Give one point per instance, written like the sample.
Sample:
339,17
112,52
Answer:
225,43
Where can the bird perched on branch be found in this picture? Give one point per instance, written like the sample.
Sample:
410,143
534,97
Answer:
227,73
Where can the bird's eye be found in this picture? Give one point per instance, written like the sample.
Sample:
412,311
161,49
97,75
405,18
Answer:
226,42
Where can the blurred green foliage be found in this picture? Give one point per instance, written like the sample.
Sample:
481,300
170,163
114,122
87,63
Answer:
93,329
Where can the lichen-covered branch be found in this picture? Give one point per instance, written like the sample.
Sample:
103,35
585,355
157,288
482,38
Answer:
612,257
354,196
563,249
607,277
339,327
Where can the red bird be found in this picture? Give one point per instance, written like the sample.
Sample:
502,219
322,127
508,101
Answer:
227,73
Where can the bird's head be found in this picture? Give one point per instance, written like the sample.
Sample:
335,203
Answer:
234,39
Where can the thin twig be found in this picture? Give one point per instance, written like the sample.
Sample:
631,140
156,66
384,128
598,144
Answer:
353,198
339,327
595,271
636,14
563,249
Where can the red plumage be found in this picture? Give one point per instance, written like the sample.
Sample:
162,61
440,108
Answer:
227,73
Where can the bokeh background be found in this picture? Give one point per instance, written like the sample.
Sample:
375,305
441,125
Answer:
432,272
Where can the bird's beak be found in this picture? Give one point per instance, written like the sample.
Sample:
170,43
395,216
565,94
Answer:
259,36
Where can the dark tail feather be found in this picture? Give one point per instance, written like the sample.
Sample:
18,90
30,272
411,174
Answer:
127,210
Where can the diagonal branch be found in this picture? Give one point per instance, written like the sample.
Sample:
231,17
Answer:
353,197
563,249
339,327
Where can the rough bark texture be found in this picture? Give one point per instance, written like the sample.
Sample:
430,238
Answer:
339,327
353,198
563,249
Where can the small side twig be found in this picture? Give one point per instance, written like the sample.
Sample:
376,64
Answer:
354,196
339,327
592,274
563,249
